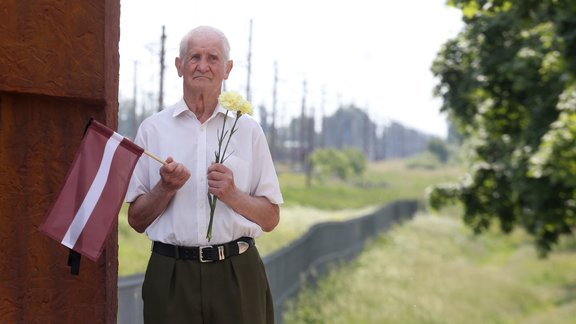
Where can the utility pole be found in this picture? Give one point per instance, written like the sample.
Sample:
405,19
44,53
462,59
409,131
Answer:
322,120
162,53
311,129
274,102
248,96
306,133
339,123
303,127
134,122
367,132
309,149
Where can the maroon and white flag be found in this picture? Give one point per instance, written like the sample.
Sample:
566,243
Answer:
91,197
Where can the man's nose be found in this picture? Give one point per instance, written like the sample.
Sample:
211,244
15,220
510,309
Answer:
203,65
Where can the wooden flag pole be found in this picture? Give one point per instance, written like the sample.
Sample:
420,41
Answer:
154,157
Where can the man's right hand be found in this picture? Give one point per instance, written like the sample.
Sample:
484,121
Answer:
147,207
173,175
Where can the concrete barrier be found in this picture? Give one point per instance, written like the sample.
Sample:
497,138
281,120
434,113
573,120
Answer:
304,260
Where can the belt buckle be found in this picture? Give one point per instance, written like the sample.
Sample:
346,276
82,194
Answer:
200,254
220,253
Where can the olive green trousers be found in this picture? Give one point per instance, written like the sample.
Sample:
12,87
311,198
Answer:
234,290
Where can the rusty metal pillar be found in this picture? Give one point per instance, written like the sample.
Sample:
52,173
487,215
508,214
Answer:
59,66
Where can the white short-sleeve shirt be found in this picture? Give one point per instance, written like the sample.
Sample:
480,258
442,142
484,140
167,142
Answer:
176,132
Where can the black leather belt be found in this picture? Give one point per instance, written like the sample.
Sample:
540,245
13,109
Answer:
208,253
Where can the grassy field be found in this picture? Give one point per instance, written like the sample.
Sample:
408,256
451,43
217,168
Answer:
429,270
383,182
433,270
303,207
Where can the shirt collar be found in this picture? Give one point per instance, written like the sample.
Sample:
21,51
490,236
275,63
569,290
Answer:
182,107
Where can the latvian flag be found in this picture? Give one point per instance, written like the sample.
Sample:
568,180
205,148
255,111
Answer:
84,211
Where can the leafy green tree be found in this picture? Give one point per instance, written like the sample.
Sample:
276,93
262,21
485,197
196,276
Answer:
508,85
356,159
328,162
439,148
339,163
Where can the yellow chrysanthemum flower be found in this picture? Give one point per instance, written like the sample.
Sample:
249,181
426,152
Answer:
233,101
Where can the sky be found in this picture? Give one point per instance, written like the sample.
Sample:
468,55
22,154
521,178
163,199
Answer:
375,55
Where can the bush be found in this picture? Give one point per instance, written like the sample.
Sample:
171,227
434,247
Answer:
339,163
439,148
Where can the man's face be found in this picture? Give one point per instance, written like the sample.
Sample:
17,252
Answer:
203,66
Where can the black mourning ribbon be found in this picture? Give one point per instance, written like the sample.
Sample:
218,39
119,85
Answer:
74,262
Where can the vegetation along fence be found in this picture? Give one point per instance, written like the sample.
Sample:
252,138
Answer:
305,259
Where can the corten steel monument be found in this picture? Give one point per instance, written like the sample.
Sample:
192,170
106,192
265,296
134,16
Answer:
59,66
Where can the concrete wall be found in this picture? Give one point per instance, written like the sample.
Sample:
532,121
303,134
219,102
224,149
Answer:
58,67
304,260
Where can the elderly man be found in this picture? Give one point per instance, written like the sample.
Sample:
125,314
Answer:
190,279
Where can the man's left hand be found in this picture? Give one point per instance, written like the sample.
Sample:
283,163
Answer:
221,181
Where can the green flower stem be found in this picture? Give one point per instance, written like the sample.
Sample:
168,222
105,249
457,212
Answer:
232,131
221,139
212,201
219,159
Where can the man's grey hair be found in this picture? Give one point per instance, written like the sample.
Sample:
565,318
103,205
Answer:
205,29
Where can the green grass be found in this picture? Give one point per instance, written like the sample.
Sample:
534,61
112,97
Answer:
332,200
383,182
133,247
429,270
433,270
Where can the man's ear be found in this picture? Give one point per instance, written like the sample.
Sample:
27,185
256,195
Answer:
229,66
178,62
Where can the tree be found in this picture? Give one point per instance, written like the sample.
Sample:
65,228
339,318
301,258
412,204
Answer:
508,84
326,162
439,148
356,159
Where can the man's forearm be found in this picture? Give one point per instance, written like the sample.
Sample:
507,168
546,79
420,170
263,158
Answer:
257,209
146,208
